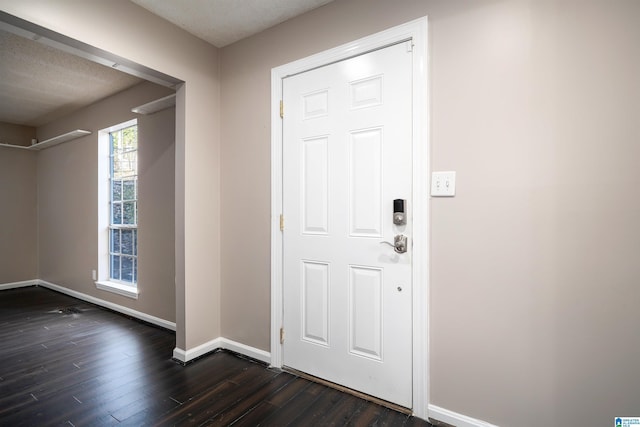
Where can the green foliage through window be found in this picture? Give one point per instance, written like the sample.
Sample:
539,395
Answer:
123,224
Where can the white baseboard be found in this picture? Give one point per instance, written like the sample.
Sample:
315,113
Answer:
115,307
21,284
180,354
455,419
221,343
195,352
252,352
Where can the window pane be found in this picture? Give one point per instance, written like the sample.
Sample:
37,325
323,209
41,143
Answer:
116,213
130,166
127,269
130,138
125,164
135,270
115,267
124,204
116,186
115,142
129,190
119,165
127,242
129,214
115,241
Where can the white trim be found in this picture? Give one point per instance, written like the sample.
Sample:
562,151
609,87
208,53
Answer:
455,419
66,137
421,220
180,355
104,223
117,288
103,205
186,355
220,343
115,307
22,284
119,126
254,353
15,146
156,105
417,32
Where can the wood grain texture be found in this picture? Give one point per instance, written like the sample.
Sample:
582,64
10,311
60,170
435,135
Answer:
68,362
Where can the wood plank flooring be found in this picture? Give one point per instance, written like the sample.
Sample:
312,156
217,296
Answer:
65,362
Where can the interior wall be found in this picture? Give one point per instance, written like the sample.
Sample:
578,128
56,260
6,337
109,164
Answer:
156,210
125,29
18,236
16,134
68,201
534,263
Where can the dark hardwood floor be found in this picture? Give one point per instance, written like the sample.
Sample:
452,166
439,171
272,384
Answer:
67,362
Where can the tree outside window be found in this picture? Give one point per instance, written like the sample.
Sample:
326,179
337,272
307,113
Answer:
123,203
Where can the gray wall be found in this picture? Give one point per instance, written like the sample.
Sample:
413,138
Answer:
534,263
18,234
68,201
16,134
136,34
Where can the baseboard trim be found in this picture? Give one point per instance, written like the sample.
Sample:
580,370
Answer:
180,355
185,356
252,352
112,306
22,284
218,344
455,419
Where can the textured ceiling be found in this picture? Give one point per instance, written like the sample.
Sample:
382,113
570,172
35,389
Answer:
40,83
222,22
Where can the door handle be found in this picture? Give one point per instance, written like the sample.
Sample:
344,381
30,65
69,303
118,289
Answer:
399,243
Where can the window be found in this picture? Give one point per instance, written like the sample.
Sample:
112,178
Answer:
118,209
123,202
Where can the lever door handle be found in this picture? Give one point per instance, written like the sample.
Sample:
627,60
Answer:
399,243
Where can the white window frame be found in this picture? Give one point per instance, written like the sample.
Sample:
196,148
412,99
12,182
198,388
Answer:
103,281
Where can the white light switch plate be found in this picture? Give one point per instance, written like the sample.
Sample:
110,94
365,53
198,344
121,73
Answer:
443,184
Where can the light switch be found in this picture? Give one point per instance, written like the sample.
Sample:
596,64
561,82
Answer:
443,184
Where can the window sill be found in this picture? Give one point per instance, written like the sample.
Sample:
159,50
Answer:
117,288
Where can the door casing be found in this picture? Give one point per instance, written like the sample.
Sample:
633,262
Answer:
416,31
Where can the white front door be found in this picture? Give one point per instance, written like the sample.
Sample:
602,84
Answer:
347,150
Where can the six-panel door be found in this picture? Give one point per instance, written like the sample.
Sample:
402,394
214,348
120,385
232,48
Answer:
346,157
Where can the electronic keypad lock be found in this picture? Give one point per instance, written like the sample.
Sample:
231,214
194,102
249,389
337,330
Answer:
399,213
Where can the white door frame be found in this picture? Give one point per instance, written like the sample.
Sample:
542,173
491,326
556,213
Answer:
417,32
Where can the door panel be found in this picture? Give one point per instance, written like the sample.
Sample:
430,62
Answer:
365,311
315,302
346,157
365,183
315,191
